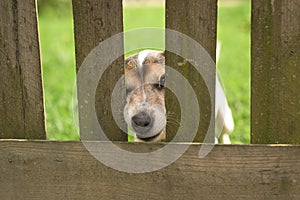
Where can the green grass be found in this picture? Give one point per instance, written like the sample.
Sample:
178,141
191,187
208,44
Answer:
58,59
234,65
140,17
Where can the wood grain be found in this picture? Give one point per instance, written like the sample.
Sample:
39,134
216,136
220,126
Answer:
198,20
21,92
95,21
66,170
275,72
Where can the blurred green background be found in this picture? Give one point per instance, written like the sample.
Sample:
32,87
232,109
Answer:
58,59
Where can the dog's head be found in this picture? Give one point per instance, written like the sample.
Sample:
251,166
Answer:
145,112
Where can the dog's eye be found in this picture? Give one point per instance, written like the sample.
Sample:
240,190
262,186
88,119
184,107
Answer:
161,83
128,91
162,80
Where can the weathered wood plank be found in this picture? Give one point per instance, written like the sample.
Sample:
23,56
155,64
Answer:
95,21
197,19
21,92
66,170
275,102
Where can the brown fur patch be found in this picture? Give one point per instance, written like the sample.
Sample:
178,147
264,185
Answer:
155,57
131,63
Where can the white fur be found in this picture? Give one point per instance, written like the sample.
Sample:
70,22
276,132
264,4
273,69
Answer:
223,114
142,55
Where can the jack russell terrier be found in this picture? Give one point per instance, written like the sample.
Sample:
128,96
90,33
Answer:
145,112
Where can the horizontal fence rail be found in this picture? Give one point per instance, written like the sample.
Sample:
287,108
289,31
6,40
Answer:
66,170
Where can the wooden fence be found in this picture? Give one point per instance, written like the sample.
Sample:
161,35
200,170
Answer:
269,168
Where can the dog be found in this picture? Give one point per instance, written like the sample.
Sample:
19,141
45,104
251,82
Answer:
145,112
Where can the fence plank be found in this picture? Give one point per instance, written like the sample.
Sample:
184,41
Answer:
197,19
21,92
95,21
275,72
66,170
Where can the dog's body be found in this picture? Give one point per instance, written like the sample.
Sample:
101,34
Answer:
145,112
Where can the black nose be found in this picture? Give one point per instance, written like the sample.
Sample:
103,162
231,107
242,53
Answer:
141,119
141,122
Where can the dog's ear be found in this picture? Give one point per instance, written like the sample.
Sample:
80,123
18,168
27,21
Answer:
155,57
162,57
130,63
